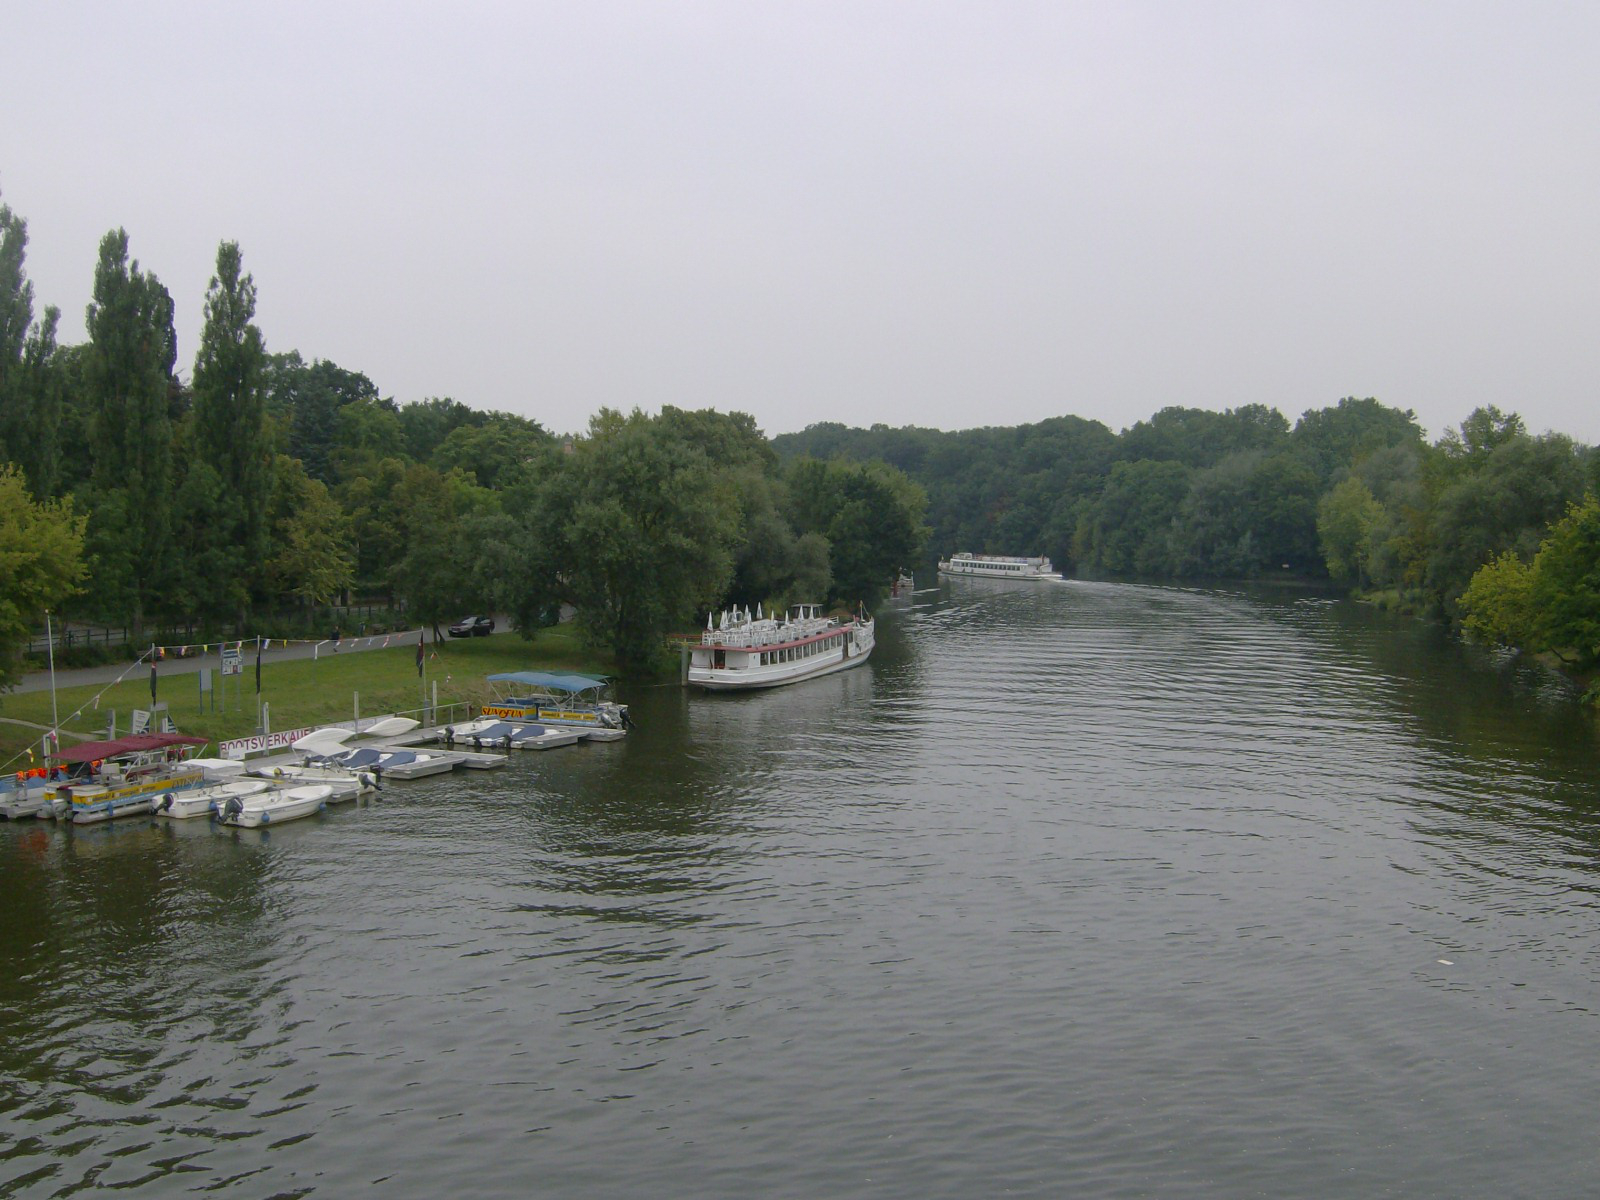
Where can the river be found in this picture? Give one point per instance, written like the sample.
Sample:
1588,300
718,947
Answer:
1073,889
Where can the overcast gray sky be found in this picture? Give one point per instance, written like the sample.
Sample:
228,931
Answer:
938,214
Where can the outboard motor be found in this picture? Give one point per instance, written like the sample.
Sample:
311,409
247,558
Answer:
368,780
449,736
232,809
166,803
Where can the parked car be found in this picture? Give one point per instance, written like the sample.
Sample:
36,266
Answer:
473,627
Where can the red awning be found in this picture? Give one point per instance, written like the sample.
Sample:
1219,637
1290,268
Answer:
89,751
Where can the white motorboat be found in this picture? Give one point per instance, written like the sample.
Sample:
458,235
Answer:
346,784
396,764
27,793
274,806
203,801
745,652
491,733
998,566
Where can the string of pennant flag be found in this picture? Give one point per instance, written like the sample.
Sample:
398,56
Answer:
238,645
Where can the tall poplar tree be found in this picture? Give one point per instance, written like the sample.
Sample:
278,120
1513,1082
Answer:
30,392
16,301
230,424
129,381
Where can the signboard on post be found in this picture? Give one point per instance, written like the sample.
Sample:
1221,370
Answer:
232,662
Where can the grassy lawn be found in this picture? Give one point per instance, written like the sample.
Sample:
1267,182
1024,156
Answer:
301,691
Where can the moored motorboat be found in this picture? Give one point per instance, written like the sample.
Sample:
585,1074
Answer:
203,801
564,699
745,652
29,791
491,733
396,764
347,784
274,806
998,566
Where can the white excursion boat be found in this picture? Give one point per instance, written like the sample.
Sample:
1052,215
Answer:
123,777
492,733
998,566
744,652
203,801
564,699
273,806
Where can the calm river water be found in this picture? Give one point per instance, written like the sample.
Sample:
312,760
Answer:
1080,889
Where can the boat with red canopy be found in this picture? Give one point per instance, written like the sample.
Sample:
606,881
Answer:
124,776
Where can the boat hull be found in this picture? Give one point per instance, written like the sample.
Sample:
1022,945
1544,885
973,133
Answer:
998,566
202,802
346,785
713,679
275,807
488,734
93,803
591,725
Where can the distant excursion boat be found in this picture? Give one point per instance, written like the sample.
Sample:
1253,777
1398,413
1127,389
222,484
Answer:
123,777
998,566
745,652
564,699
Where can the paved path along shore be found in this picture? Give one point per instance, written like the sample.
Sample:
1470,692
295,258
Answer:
39,681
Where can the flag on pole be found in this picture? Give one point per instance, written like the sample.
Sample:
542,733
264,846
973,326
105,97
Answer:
258,666
420,635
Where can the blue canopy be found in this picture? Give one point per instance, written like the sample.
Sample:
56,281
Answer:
554,681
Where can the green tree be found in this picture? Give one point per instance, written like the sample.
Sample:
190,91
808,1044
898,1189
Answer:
1565,588
41,564
635,529
1497,606
430,575
490,451
1198,437
230,422
131,392
367,431
313,562
306,400
31,393
1501,496
427,423
1346,519
871,515
1328,439
1484,430
1128,529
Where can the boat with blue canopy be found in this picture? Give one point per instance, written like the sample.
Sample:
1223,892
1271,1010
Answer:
562,698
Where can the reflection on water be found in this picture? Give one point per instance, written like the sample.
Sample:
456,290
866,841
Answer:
1074,889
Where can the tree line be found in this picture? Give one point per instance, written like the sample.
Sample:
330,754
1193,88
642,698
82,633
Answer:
1490,527
267,482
